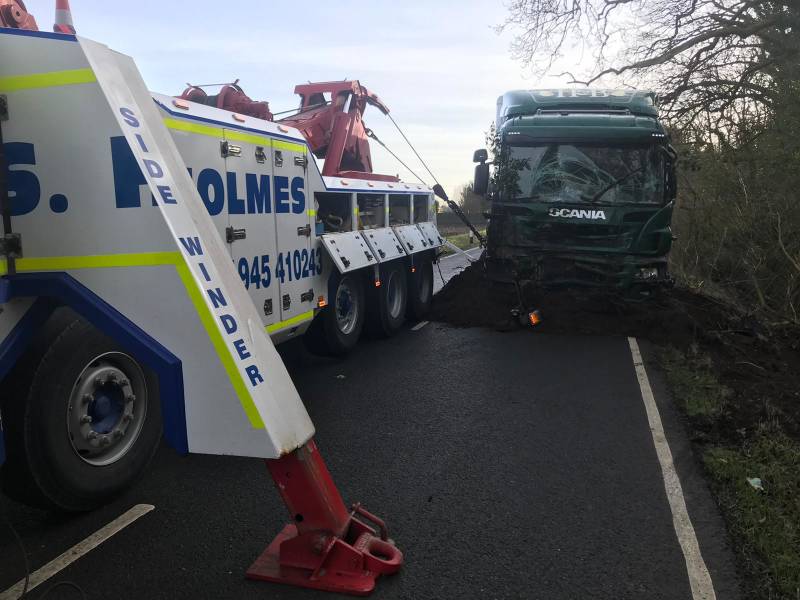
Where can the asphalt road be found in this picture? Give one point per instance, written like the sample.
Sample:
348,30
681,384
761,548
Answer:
508,465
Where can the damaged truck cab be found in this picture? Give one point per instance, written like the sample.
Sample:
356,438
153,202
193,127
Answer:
582,190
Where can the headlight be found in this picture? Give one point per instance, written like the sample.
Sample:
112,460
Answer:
646,273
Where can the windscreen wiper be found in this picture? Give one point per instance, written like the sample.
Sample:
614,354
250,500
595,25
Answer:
616,182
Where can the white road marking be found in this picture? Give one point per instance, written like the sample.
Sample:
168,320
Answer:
60,563
419,326
699,578
460,253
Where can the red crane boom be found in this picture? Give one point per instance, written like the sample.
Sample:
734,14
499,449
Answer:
331,118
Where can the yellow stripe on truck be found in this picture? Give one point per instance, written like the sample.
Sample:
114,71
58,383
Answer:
232,135
197,128
301,318
46,80
219,345
155,259
63,263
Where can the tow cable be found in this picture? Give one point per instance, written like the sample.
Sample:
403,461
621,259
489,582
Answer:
437,188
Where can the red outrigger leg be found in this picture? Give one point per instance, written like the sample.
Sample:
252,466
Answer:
327,547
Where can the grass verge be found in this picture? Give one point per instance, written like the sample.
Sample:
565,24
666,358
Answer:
754,473
462,241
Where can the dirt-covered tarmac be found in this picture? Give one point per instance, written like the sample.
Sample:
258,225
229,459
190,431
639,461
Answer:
758,361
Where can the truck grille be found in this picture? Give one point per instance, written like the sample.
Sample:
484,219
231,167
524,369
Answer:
561,269
569,236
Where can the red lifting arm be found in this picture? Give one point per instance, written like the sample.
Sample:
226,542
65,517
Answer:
335,128
327,547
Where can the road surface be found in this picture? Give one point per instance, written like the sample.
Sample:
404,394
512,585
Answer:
508,465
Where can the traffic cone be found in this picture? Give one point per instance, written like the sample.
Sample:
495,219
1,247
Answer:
63,18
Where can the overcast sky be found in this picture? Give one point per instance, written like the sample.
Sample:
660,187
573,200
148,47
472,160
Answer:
437,64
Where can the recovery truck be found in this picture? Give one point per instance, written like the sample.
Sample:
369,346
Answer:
154,251
582,190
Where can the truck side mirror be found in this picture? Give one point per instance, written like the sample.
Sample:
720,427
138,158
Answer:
481,183
672,171
672,179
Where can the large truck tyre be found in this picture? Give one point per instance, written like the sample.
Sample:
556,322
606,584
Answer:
386,310
336,330
83,420
420,290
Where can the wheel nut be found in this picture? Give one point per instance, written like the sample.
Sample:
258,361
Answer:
130,398
86,398
127,418
111,377
86,419
92,435
118,433
105,441
124,382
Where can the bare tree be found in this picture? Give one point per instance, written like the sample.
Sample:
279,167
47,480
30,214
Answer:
711,60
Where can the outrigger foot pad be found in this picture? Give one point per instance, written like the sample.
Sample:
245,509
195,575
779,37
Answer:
328,547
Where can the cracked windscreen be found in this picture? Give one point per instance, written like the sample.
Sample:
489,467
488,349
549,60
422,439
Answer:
589,173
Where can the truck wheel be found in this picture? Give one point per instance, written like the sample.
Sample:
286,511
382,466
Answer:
387,309
420,290
335,331
91,422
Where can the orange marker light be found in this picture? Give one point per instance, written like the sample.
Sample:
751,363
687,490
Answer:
413,269
378,283
321,302
534,318
237,117
178,103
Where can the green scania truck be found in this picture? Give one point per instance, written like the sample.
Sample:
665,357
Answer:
582,190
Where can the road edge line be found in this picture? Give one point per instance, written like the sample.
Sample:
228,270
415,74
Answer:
699,577
455,254
61,562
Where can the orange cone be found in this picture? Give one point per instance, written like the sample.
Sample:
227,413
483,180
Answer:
63,18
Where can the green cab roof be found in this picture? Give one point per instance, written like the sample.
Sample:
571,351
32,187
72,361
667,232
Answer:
582,127
575,100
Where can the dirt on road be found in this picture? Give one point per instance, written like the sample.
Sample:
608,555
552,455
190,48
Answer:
758,361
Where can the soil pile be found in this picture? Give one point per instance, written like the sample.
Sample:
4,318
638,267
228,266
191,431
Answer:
470,299
758,361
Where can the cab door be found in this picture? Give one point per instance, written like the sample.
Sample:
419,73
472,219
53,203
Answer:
250,233
295,267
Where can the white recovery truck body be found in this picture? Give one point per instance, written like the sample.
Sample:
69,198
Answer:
153,252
